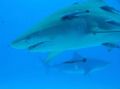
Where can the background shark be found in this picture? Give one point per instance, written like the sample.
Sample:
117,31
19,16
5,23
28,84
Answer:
81,25
77,64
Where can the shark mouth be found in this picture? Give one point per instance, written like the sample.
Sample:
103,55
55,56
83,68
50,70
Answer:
40,44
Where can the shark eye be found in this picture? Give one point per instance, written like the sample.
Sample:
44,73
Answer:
65,18
69,17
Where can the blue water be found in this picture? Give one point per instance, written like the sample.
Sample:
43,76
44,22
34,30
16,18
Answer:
20,69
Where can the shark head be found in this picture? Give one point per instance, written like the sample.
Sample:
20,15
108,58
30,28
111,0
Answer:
54,35
78,26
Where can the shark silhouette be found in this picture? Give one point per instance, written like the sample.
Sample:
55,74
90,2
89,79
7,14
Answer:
78,64
80,25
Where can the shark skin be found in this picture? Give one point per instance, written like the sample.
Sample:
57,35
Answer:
78,64
78,26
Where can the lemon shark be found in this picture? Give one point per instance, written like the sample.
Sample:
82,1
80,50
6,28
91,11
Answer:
77,64
77,26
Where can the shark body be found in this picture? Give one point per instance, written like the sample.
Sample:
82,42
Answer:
78,64
81,25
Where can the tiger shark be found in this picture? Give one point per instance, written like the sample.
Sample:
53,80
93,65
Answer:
77,26
77,64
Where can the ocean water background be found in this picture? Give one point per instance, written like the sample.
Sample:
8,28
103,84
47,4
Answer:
20,69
